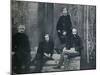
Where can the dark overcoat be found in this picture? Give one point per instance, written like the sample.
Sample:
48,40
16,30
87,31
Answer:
64,25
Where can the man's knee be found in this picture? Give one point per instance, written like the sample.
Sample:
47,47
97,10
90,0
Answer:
66,56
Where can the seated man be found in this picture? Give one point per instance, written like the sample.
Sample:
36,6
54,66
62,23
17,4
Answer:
46,47
44,52
72,49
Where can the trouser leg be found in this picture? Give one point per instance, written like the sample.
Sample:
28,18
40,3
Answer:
66,62
61,60
40,64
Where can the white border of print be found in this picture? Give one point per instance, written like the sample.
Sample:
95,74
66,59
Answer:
5,36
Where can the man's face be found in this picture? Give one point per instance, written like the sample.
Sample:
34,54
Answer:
46,37
74,31
21,29
64,11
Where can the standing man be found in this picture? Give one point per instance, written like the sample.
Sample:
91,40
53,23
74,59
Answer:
64,26
20,51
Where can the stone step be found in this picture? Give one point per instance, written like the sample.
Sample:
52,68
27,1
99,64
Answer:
49,65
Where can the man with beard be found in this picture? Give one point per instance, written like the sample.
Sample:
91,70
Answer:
72,49
20,51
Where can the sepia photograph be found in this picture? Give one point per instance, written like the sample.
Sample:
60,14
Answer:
52,37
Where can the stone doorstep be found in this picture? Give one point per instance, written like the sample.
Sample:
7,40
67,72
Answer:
51,69
74,65
53,63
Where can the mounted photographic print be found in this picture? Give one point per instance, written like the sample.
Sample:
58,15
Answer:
52,37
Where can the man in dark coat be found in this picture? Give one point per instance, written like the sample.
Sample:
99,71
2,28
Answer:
44,52
20,50
72,49
64,25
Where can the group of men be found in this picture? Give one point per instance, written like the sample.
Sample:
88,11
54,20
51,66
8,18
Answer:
68,37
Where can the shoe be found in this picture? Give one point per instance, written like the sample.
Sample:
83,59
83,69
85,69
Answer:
51,59
57,67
